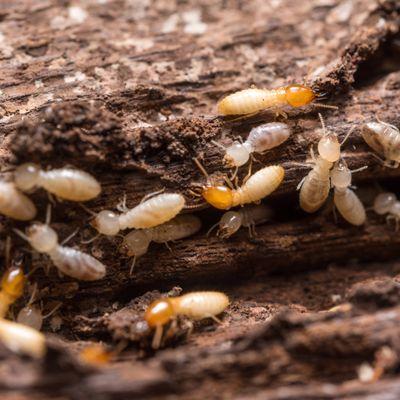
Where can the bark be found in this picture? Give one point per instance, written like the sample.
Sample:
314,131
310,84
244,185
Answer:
127,91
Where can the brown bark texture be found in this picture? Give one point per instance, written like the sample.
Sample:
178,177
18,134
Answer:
127,90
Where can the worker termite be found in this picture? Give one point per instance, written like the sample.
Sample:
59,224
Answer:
314,188
136,243
260,139
345,200
65,183
387,203
258,186
248,216
15,204
152,212
253,100
22,339
385,140
195,305
69,261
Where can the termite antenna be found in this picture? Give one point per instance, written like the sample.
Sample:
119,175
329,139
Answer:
218,145
33,295
211,229
348,135
201,168
323,124
48,214
88,210
132,266
359,169
21,234
91,240
68,238
321,105
51,312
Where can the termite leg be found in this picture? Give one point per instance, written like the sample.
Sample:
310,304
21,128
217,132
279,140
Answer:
190,328
246,178
132,266
214,318
385,163
168,247
68,238
280,113
51,198
121,206
8,251
48,214
234,174
301,183
155,344
91,240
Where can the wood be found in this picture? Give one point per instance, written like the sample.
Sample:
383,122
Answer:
109,88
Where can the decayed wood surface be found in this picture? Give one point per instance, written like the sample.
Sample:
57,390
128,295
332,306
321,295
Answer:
127,91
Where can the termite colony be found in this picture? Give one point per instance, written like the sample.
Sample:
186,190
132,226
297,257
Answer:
158,217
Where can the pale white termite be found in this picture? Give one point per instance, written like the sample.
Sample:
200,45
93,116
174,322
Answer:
195,305
314,188
152,212
65,183
22,339
346,201
387,203
385,140
15,204
260,139
69,261
259,185
136,243
248,216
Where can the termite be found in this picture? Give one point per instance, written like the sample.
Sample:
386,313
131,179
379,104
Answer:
22,339
69,261
65,183
384,139
253,100
248,216
149,213
258,186
260,139
195,305
314,188
15,204
346,201
387,203
136,243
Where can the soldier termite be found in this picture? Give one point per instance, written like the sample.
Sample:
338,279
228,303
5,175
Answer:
152,212
22,339
385,140
258,186
15,204
12,288
248,216
136,243
260,139
314,188
387,203
253,100
345,200
65,183
195,305
69,261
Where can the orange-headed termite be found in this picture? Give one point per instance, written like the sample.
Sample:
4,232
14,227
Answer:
385,140
65,183
12,288
253,100
22,339
195,305
248,216
346,201
15,204
258,186
152,212
69,261
136,243
261,138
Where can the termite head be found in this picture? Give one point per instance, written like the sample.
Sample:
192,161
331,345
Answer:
32,316
299,95
13,282
329,147
341,175
106,222
26,176
42,238
236,155
159,313
384,202
220,197
135,243
230,223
